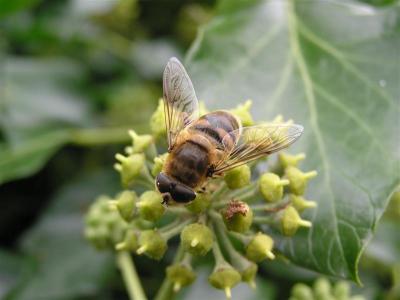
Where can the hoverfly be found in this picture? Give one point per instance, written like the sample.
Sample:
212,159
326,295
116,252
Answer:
205,147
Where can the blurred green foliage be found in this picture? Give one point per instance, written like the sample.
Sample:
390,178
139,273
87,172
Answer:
75,75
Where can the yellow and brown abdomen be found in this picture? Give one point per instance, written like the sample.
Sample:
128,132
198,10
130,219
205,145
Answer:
216,126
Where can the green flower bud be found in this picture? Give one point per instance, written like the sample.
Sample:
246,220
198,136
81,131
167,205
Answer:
139,142
238,216
200,203
197,239
238,177
260,248
152,244
288,160
150,206
322,289
247,269
271,187
242,111
224,277
300,204
341,290
157,120
130,167
104,227
130,242
291,221
158,164
181,275
298,180
302,292
125,204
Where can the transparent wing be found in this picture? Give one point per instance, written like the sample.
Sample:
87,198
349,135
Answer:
180,102
257,141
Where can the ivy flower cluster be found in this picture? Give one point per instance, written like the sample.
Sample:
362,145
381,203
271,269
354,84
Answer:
233,220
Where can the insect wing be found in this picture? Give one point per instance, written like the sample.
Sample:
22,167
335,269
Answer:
257,141
180,102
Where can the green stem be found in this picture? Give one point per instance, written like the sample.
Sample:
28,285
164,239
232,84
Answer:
131,278
176,230
165,291
225,239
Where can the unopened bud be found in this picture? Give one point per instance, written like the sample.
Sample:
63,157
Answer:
291,221
139,142
157,120
341,290
238,216
260,248
271,187
158,164
238,177
288,160
129,167
322,289
224,277
298,179
300,203
242,111
302,292
197,239
181,275
200,203
150,206
130,242
152,244
125,204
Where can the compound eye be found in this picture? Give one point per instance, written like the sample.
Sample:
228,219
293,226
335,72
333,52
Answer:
163,183
182,194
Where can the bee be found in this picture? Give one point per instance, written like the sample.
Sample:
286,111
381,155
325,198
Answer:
204,147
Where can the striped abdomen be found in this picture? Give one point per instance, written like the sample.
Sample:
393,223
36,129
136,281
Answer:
200,145
216,126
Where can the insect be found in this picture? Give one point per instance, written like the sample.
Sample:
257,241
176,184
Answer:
207,146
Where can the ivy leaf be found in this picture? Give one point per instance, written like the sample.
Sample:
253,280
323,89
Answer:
333,67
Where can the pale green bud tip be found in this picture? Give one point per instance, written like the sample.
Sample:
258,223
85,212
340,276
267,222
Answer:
150,206
152,244
125,204
157,120
130,242
302,292
271,187
242,111
298,179
341,290
260,248
300,203
291,221
238,216
139,142
180,275
129,167
224,278
249,274
197,239
158,164
200,203
287,160
238,177
322,288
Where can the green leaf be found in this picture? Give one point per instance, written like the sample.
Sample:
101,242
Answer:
333,67
66,265
37,112
9,7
